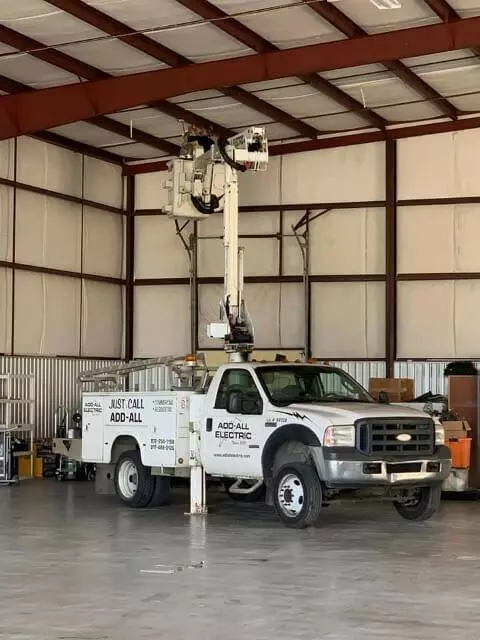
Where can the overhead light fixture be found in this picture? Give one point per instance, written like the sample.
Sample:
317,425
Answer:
387,4
382,4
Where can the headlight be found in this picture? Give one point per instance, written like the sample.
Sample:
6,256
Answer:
439,434
339,437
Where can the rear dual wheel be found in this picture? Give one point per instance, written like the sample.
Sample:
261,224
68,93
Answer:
136,486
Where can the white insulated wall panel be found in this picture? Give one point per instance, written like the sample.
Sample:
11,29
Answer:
439,319
103,182
48,231
328,175
150,192
439,166
159,252
7,159
438,239
348,241
6,222
47,314
276,311
102,319
261,255
103,242
263,187
292,255
348,320
49,167
5,310
334,175
162,321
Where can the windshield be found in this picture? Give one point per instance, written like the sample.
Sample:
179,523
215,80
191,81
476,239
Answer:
286,385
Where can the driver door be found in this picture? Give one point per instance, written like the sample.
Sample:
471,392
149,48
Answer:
234,441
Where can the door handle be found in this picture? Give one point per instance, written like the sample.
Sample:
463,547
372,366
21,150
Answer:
209,424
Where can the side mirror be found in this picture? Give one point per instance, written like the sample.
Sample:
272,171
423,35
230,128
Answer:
383,398
235,402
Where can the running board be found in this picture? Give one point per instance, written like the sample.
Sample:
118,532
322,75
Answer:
235,488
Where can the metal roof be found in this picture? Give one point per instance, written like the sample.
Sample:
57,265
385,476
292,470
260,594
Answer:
60,43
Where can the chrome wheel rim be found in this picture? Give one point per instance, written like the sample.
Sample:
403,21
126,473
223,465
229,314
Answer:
128,479
290,495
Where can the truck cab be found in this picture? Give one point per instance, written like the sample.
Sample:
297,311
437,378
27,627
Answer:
305,434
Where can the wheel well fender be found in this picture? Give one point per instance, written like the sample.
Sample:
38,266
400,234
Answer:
122,444
297,433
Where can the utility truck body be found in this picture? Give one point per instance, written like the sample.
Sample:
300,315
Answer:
300,435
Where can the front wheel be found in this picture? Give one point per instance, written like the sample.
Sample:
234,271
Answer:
423,505
134,484
297,494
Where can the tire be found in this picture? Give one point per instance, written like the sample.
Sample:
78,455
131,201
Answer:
424,508
134,484
297,494
255,496
161,493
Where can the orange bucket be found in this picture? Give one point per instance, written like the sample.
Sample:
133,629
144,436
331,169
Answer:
460,450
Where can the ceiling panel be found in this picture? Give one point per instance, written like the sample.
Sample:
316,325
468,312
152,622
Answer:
384,91
258,87
301,101
174,26
283,25
408,112
36,73
88,133
468,102
411,14
151,121
135,150
44,22
448,58
354,72
466,8
113,56
338,122
456,81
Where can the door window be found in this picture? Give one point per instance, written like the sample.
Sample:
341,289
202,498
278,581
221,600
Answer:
242,382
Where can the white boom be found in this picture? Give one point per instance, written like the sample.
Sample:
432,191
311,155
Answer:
205,174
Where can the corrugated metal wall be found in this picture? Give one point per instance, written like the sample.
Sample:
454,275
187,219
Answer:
362,371
55,384
56,380
428,376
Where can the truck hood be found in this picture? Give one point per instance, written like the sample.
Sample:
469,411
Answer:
346,413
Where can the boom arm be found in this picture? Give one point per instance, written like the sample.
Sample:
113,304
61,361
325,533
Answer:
203,163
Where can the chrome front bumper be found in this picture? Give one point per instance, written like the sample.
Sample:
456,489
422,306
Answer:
355,470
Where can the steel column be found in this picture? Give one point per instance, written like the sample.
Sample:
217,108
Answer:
129,266
391,255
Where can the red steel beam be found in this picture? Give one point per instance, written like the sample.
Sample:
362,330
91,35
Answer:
351,29
82,70
12,86
259,44
32,112
141,42
447,13
332,142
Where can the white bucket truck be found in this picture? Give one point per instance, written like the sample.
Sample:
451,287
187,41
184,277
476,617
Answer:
299,435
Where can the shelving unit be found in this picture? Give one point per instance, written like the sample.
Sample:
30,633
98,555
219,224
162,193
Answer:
17,411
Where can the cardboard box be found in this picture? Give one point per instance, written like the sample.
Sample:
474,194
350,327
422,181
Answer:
397,389
457,429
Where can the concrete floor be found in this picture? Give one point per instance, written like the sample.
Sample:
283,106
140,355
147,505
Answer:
74,566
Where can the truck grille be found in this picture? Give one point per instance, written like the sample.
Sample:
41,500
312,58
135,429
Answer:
381,437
